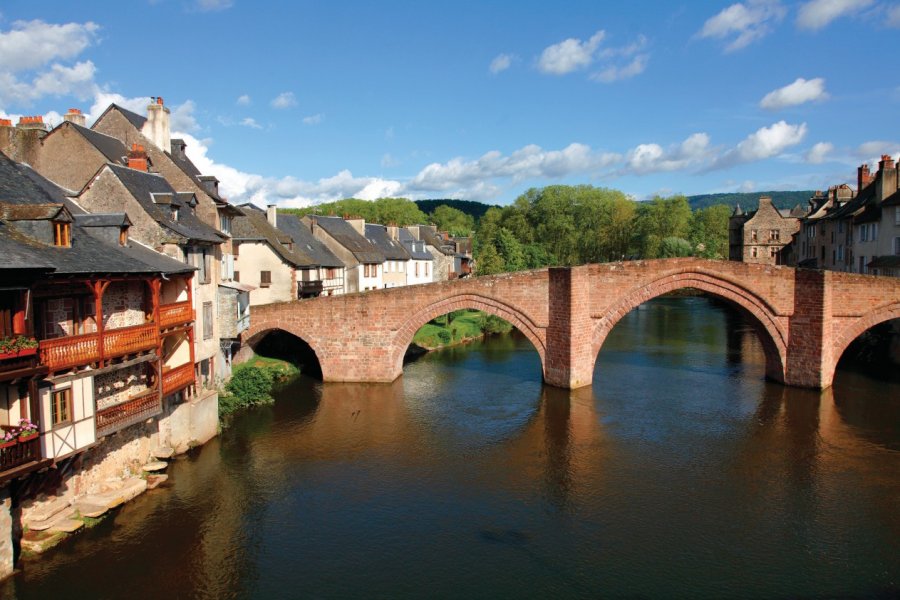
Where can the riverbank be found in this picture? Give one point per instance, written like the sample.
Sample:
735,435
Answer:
458,327
252,384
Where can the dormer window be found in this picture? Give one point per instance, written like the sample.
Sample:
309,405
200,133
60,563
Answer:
174,213
61,234
123,236
225,224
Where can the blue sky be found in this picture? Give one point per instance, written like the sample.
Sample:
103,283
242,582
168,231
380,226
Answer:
302,102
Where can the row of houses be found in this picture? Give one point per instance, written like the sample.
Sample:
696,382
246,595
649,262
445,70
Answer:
126,285
843,229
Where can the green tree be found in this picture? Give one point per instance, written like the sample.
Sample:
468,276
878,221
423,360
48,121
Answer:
510,250
489,261
709,231
672,247
453,220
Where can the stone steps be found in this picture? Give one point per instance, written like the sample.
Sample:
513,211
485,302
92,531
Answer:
164,453
44,516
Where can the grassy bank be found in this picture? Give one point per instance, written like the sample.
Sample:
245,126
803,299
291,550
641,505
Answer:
459,327
251,384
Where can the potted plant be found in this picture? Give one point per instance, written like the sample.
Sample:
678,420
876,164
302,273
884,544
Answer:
9,437
27,430
18,345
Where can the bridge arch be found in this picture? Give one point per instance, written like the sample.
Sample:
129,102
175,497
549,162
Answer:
853,330
407,330
771,333
261,333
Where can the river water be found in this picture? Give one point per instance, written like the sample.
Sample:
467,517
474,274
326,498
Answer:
679,473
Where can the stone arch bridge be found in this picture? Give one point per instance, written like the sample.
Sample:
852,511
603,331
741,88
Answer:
805,319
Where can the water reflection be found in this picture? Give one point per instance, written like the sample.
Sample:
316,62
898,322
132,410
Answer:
681,473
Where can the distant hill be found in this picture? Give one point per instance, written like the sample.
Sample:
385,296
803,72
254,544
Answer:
470,207
750,201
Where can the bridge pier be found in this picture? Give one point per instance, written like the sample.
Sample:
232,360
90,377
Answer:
809,361
569,361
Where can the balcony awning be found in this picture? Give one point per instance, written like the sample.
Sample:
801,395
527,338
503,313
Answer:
236,285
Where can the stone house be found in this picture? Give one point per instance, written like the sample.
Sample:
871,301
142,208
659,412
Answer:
449,261
329,280
397,261
267,259
363,261
166,220
759,237
879,223
824,236
106,369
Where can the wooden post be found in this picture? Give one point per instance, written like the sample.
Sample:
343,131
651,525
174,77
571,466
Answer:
99,288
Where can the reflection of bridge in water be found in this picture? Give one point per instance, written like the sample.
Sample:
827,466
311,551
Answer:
805,319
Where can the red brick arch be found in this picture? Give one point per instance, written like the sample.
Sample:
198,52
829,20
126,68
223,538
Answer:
850,332
771,333
404,336
259,333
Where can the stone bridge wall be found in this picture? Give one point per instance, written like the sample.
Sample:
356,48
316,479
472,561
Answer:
805,319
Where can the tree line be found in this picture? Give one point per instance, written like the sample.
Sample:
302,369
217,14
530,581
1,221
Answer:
564,225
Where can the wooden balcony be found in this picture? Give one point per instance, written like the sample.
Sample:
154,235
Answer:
134,410
309,289
20,458
177,379
172,315
78,350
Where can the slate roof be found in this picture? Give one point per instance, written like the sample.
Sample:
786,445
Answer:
142,186
433,239
344,234
305,241
416,248
855,205
378,235
254,226
892,200
87,254
103,220
870,214
33,212
110,147
190,169
133,118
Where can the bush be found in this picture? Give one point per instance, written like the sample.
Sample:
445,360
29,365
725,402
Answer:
444,336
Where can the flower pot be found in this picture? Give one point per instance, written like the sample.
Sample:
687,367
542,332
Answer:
29,436
8,444
18,353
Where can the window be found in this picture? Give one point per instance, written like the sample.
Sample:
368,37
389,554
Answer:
754,234
237,276
61,235
203,263
123,236
753,252
773,251
863,233
417,269
236,249
61,407
873,231
426,269
897,246
897,215
774,235
265,278
840,253
207,320
840,227
225,224
862,264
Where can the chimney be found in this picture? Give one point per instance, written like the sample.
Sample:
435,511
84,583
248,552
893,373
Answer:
5,122
137,158
393,231
358,223
862,177
36,122
211,185
272,215
156,129
75,116
177,148
886,163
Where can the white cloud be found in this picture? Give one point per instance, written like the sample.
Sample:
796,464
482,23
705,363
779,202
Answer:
243,100
745,22
766,142
32,44
569,55
872,151
251,122
182,116
802,90
103,99
819,153
893,16
313,119
388,161
27,68
284,100
614,73
212,5
816,14
747,187
649,158
501,63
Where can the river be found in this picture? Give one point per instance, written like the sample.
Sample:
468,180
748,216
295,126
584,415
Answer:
680,473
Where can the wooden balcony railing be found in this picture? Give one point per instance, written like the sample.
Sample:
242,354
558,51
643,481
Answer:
178,378
77,350
20,453
134,410
179,313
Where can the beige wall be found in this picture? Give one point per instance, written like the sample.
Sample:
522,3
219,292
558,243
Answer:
254,257
63,440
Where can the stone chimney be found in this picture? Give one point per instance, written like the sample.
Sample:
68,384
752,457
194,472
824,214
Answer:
75,116
156,129
863,178
272,215
137,158
886,178
358,223
36,122
393,231
211,185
